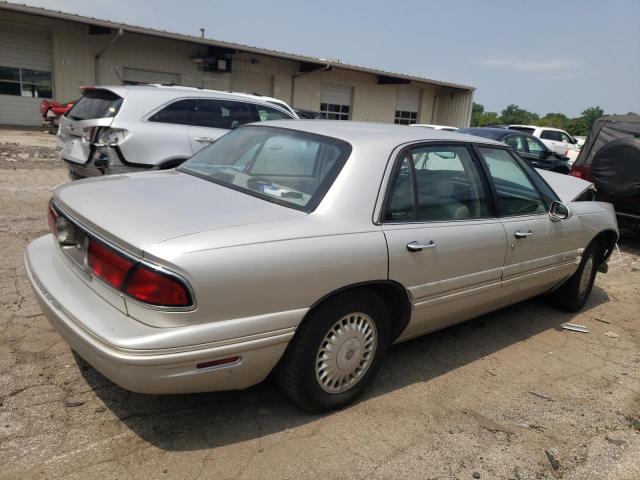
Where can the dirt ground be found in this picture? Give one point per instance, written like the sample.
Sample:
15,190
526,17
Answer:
484,399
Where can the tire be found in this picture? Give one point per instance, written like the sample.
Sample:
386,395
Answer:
358,323
573,294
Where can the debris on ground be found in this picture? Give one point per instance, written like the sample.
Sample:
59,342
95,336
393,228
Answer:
554,457
615,441
574,327
612,335
488,424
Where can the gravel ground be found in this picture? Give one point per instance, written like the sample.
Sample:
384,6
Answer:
509,395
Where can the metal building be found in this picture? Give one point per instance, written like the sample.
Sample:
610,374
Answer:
49,54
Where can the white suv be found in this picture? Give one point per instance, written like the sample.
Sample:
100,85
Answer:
555,139
141,127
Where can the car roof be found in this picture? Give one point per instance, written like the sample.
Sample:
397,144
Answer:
163,90
383,134
535,127
489,132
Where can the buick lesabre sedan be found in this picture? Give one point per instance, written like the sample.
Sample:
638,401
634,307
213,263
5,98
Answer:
306,248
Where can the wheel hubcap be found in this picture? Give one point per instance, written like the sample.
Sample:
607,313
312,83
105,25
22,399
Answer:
585,277
346,352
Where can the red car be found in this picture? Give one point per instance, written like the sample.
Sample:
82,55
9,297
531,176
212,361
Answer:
51,112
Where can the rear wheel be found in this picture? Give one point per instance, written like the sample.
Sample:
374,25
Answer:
573,294
336,352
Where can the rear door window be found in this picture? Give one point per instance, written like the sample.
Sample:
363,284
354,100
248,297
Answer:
447,186
221,114
516,142
179,113
551,135
535,146
96,104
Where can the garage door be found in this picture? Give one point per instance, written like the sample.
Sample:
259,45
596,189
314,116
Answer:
135,75
335,101
251,82
407,105
25,73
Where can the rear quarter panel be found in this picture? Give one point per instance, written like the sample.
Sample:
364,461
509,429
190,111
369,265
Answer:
271,276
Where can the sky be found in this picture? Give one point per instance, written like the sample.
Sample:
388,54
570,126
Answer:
545,56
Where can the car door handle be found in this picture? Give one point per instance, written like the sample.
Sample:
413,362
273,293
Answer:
523,233
416,246
204,139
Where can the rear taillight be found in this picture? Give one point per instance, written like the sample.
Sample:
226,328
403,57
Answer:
581,171
107,264
112,136
151,286
88,133
135,279
52,216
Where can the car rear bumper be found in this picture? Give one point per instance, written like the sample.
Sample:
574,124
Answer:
105,161
65,300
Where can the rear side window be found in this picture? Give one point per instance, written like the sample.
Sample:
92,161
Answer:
447,186
516,142
267,113
179,112
551,135
221,114
535,146
96,104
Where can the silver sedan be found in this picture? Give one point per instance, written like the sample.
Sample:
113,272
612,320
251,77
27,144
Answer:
307,248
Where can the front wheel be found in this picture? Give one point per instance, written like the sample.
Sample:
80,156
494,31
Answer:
336,351
573,294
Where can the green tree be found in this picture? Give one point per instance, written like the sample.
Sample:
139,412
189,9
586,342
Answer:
591,114
488,118
578,126
555,120
513,114
476,112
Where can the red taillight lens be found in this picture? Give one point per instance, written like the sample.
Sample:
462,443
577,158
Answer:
52,216
156,288
581,171
135,279
107,264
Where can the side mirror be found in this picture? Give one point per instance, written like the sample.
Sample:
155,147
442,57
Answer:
559,211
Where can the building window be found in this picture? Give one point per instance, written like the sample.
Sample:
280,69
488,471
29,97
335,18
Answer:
333,111
25,82
406,118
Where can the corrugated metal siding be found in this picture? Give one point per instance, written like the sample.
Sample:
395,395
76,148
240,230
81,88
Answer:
252,82
73,65
146,76
453,109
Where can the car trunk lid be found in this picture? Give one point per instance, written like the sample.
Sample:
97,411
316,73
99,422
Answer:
138,210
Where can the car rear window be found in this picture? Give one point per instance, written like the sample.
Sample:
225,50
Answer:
96,104
283,166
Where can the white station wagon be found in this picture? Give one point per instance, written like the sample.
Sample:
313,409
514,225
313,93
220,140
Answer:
307,248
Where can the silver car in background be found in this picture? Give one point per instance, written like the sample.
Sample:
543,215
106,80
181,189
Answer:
141,127
307,247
